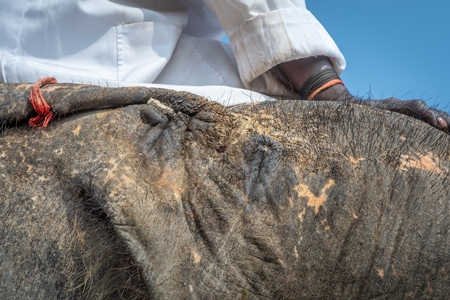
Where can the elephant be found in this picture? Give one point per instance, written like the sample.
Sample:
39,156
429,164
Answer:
139,193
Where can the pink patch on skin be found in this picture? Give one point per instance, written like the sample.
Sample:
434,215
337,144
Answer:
441,124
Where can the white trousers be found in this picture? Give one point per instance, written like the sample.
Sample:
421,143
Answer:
162,43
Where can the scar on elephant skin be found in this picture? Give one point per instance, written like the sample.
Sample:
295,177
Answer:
314,201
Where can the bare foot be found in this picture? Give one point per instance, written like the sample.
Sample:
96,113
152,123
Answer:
308,67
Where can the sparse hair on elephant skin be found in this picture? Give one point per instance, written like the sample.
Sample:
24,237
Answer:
101,266
181,198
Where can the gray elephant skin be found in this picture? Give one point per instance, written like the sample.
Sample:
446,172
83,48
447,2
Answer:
172,196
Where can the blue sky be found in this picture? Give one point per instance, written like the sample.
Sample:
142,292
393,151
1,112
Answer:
395,48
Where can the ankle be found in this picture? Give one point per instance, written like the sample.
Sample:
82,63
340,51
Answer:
297,72
336,92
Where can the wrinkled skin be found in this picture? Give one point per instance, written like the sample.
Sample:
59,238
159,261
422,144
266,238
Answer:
181,198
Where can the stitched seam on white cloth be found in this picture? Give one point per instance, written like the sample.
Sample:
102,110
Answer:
2,67
19,33
246,56
197,52
119,49
317,32
237,39
286,33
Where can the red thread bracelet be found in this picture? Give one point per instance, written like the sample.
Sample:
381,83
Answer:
45,115
325,86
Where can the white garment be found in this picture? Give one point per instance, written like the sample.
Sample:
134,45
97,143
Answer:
168,43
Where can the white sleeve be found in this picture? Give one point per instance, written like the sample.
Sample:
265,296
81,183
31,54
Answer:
265,33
